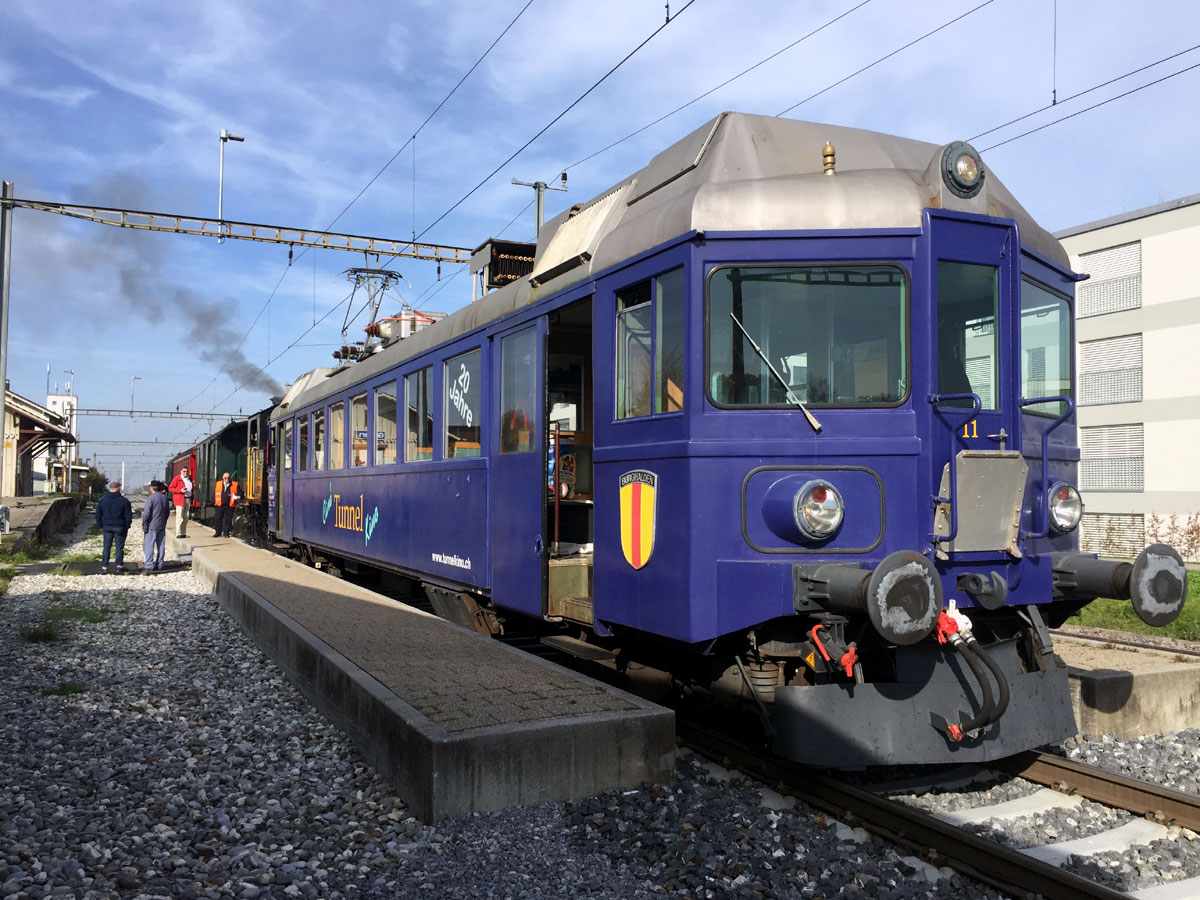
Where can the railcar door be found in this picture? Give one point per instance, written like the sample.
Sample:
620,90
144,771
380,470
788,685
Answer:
516,516
972,271
283,485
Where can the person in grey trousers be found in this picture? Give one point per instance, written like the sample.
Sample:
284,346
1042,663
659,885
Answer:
154,527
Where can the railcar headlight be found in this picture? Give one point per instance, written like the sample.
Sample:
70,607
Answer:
962,169
1065,507
818,509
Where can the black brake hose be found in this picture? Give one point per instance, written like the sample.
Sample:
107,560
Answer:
982,717
1001,681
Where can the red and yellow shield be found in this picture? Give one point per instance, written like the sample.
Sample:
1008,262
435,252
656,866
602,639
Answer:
637,516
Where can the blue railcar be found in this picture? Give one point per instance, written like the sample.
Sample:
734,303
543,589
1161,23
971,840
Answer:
788,411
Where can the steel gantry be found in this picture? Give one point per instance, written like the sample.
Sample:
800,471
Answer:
171,223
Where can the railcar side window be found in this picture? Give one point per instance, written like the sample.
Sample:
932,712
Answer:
385,424
820,335
650,350
358,430
966,338
1045,348
463,391
302,450
287,444
318,436
419,433
517,391
337,436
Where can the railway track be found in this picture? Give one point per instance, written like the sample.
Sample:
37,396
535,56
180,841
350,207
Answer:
946,843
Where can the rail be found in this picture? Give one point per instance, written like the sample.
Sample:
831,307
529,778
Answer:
1159,804
937,842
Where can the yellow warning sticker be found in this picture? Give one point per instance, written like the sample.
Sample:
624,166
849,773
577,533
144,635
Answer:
811,659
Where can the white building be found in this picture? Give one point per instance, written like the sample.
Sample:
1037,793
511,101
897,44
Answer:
1138,337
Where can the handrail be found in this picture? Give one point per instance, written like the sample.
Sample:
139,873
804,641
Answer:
977,404
1043,501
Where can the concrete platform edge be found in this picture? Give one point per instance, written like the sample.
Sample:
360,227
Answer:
444,775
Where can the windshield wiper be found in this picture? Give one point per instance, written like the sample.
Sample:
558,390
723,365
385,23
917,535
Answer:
792,398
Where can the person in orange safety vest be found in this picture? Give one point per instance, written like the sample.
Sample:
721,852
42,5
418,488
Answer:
226,497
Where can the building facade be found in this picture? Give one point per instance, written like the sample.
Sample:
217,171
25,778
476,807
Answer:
1137,337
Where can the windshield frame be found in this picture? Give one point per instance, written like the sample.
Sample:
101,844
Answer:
715,268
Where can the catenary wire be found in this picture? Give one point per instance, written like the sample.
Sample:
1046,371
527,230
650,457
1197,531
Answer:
374,178
1076,96
888,56
1093,106
724,83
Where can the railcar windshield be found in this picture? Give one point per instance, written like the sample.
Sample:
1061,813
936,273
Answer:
1046,345
834,335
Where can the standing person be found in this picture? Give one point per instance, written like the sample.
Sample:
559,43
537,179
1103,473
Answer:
114,515
226,498
181,495
154,527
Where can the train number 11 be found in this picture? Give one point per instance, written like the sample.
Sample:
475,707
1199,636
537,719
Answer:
971,429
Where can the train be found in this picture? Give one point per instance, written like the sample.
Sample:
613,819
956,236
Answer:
240,447
788,412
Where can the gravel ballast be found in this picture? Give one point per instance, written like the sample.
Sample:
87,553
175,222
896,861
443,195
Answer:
170,759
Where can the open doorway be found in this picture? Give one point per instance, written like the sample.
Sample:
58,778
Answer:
569,443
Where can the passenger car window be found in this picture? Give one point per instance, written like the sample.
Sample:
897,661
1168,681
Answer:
318,438
419,416
359,435
650,329
517,391
463,382
385,424
337,436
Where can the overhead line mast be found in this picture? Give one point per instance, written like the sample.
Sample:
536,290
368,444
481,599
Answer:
248,231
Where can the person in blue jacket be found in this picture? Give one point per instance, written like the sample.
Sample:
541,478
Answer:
114,515
154,527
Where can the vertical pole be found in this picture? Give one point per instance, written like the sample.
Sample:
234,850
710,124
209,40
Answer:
221,190
540,189
6,192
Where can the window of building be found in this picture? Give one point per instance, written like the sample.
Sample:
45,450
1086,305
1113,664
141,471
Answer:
1110,370
287,444
821,335
1112,458
1115,283
419,430
385,424
337,436
302,450
1113,534
650,331
464,394
1045,347
517,395
360,434
318,437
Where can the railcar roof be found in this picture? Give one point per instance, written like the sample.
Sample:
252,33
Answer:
737,172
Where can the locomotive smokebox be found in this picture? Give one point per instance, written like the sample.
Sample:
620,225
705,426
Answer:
1156,582
902,596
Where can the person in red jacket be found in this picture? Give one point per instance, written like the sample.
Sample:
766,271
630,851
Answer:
226,497
181,496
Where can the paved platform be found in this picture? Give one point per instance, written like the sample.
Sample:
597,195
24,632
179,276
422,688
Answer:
1130,691
456,721
33,520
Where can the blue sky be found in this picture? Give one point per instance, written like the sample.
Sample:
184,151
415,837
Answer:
121,104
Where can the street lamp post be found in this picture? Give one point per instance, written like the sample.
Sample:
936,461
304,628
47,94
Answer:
225,136
132,384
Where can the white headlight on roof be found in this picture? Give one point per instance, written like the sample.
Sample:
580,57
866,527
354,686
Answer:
962,169
1065,507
